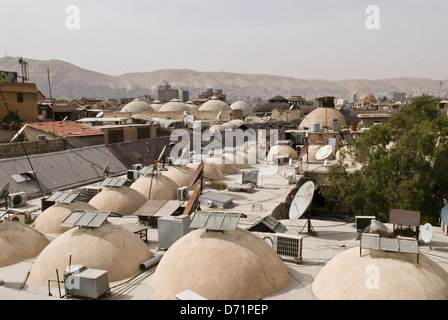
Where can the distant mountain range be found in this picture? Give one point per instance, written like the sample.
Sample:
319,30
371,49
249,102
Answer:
71,82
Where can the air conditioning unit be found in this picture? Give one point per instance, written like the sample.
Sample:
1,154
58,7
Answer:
182,193
288,246
17,200
132,175
86,283
137,167
171,229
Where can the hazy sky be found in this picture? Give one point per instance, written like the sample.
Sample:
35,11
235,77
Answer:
326,39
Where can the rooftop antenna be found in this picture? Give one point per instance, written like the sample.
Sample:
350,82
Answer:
106,171
25,70
4,194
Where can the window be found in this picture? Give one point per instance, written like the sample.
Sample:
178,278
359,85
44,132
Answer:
143,133
115,136
20,97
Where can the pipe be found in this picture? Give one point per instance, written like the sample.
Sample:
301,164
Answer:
151,262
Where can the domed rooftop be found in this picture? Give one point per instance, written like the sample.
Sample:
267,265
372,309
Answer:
111,248
278,149
122,200
367,98
182,176
325,117
193,106
19,242
400,277
211,171
49,221
215,104
174,106
137,105
225,163
157,187
156,105
345,154
233,265
241,105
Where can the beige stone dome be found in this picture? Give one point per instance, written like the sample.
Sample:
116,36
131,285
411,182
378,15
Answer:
225,163
241,105
182,176
215,104
325,117
193,106
211,171
349,276
345,154
156,105
367,98
49,221
137,105
157,187
111,248
233,265
278,149
122,200
174,106
19,242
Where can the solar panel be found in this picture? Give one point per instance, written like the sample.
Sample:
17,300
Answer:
216,221
63,197
87,219
114,182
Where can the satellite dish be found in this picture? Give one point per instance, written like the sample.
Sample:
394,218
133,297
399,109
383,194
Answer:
302,200
65,119
444,214
4,191
99,115
427,233
290,162
324,152
282,172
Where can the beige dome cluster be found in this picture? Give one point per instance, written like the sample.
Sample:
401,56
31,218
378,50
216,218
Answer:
325,117
282,149
157,187
174,106
241,105
215,104
233,265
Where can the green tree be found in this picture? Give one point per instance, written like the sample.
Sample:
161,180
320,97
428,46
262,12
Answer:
402,165
12,120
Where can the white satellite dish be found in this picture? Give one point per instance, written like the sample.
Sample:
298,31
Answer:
324,152
302,200
99,115
427,233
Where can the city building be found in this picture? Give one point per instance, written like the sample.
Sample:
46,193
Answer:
21,97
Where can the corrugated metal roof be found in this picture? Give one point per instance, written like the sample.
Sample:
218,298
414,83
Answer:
59,170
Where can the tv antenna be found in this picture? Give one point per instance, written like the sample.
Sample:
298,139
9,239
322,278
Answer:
25,70
106,171
4,194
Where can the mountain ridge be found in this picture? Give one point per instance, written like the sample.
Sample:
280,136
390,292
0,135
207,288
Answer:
69,81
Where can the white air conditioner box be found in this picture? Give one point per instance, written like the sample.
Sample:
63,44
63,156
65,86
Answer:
288,246
137,167
85,283
17,200
182,193
132,175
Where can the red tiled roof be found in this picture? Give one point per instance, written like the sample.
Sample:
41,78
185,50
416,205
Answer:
66,128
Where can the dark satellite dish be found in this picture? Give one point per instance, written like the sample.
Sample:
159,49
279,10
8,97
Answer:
4,191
